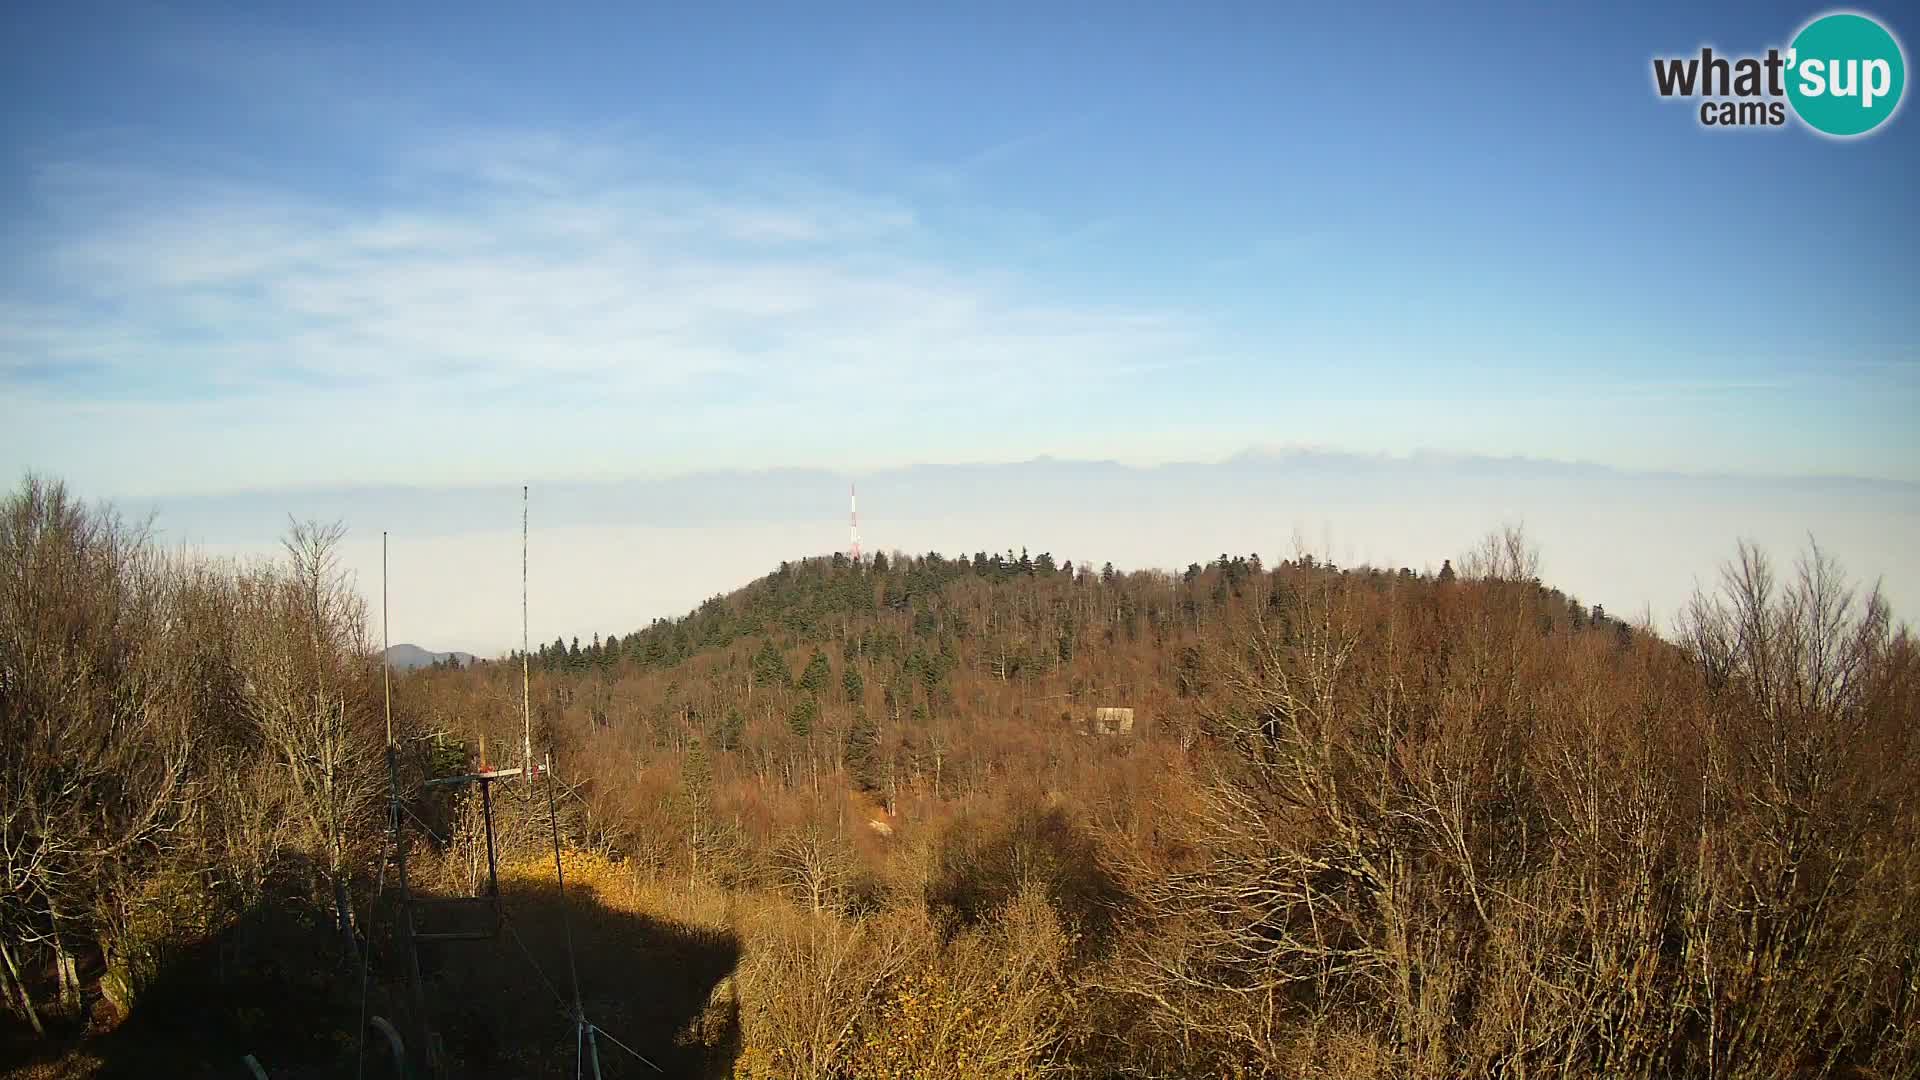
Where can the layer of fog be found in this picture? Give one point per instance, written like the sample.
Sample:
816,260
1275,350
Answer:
610,557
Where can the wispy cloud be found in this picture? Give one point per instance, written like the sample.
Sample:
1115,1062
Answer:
511,259
490,303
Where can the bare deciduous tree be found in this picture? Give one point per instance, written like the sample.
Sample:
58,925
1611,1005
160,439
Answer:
814,868
95,744
1515,851
1506,554
309,667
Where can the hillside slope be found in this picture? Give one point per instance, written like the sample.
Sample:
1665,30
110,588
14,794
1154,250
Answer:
1367,823
1014,629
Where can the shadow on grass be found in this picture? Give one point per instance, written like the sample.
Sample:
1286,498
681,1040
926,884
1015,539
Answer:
272,977
273,984
503,1006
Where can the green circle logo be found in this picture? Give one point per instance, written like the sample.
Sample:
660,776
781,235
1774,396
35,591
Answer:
1845,73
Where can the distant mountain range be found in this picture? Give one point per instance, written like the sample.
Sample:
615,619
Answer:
408,657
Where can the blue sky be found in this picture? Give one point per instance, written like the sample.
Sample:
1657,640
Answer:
322,245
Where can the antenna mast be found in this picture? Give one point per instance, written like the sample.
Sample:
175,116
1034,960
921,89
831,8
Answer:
394,810
853,507
386,642
587,1047
526,691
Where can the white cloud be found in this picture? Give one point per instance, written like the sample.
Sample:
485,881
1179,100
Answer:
532,304
509,259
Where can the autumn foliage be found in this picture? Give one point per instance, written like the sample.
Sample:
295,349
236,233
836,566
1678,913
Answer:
850,822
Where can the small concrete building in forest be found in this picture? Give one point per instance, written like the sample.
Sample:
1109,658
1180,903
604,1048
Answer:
1108,720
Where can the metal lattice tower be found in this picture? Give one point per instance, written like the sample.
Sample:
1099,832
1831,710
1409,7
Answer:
853,507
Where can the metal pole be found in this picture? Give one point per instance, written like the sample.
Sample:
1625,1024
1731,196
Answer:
526,692
486,811
406,912
386,642
394,823
560,878
583,1031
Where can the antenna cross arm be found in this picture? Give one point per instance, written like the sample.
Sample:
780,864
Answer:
491,774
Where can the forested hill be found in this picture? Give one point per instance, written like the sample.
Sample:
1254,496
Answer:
899,676
1367,822
1048,611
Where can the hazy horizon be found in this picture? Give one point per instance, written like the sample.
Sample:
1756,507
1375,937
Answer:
611,556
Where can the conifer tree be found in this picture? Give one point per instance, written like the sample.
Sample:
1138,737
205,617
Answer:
696,809
801,717
769,667
863,752
696,781
814,678
727,736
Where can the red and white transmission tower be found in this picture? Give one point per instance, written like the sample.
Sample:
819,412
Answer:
853,507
